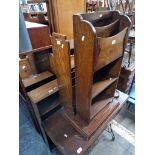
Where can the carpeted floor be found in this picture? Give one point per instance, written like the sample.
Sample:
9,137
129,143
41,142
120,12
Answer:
30,142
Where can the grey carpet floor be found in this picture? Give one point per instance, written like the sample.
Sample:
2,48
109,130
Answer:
30,142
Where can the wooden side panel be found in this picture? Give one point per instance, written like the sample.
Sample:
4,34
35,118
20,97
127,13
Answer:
24,68
60,62
84,42
41,60
38,59
62,12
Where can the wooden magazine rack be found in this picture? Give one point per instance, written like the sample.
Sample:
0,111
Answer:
98,57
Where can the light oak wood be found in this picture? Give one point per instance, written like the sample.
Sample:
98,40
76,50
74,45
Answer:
44,91
108,30
62,15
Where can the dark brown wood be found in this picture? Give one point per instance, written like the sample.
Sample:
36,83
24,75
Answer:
39,34
68,139
108,30
44,91
39,59
24,68
99,86
61,64
125,79
36,78
95,50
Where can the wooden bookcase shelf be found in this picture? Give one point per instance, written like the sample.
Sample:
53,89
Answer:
101,100
99,42
36,78
99,86
44,91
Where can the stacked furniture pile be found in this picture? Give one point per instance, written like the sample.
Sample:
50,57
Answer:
86,106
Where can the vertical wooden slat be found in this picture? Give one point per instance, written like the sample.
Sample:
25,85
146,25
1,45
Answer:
60,62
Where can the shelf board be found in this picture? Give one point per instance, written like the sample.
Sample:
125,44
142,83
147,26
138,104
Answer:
101,65
99,86
36,78
43,91
36,1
